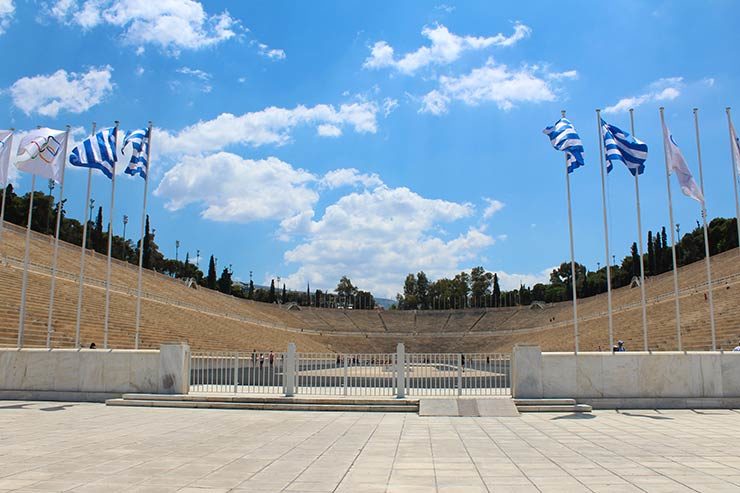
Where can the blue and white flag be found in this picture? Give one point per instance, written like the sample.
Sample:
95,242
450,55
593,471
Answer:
97,151
621,146
139,141
677,165
563,137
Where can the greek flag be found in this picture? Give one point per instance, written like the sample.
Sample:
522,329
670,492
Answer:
139,140
563,137
621,146
97,151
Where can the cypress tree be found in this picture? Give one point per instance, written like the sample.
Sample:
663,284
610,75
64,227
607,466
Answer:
250,293
271,297
308,294
496,290
211,279
651,253
97,235
224,282
666,263
147,255
284,298
635,260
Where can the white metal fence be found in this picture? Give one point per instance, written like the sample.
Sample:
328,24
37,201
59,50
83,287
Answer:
357,374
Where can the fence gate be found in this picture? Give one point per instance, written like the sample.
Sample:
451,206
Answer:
357,374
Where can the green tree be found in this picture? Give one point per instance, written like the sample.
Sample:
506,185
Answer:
650,253
284,297
409,301
271,296
496,291
422,290
345,287
211,282
480,284
147,256
97,233
224,282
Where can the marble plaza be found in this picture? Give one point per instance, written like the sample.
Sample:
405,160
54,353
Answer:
91,447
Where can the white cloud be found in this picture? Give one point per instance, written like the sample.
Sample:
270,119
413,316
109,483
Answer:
378,236
197,73
139,70
513,281
666,89
201,83
328,130
272,53
7,10
172,25
233,189
389,105
349,177
492,208
74,92
445,48
490,83
445,8
568,74
269,126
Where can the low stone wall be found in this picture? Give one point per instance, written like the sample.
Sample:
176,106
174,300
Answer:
689,379
92,374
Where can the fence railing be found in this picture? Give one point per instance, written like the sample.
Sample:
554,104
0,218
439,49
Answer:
357,374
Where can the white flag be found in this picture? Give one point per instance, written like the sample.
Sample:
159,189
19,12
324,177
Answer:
677,164
41,152
6,141
735,148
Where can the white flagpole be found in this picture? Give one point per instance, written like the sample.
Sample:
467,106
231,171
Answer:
606,229
706,234
141,244
639,239
673,237
83,249
24,285
572,253
734,171
110,238
5,189
56,245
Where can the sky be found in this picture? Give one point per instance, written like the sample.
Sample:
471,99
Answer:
312,140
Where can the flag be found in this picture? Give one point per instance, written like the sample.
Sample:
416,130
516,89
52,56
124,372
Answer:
563,137
41,152
677,164
6,140
139,140
735,147
97,151
621,146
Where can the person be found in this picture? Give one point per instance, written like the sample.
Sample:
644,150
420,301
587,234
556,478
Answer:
619,347
93,346
737,348
254,358
272,358
262,360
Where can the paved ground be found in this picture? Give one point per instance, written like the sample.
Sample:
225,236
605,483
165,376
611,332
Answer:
90,447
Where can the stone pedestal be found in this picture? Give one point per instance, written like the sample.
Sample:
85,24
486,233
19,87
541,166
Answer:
526,372
174,369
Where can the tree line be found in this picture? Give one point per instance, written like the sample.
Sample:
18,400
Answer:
479,288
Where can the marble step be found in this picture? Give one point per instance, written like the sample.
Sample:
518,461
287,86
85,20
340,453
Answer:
274,399
555,408
378,406
545,402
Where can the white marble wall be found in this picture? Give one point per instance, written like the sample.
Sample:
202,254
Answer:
95,370
662,375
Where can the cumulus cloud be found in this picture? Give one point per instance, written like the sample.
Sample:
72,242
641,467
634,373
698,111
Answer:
445,48
509,281
171,25
269,126
666,89
7,10
389,105
233,189
490,83
377,236
492,208
349,177
47,95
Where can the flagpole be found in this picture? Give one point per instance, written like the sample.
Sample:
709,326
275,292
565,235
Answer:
706,234
639,238
5,187
606,228
83,249
141,245
56,245
24,285
734,164
110,238
673,237
572,252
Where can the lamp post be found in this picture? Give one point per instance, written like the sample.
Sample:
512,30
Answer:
51,190
177,249
125,222
197,258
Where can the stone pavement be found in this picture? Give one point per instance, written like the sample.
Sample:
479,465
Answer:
90,447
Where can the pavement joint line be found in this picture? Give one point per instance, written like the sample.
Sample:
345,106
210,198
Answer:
354,460
467,451
395,453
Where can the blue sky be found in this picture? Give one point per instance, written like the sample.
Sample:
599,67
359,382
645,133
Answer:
309,140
